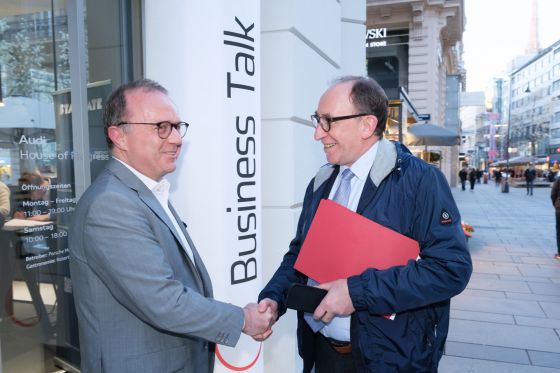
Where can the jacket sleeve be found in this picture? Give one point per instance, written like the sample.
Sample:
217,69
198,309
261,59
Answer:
554,191
444,267
123,251
278,286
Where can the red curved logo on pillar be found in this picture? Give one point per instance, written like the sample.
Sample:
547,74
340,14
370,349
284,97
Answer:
237,368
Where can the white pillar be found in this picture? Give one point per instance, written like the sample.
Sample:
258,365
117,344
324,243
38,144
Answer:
207,53
305,45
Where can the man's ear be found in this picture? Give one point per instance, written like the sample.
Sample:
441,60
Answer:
369,124
117,136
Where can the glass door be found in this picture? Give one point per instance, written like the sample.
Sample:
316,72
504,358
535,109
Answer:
41,154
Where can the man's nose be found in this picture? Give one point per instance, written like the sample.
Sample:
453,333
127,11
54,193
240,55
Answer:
175,136
319,133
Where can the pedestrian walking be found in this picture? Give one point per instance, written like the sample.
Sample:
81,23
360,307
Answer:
555,197
472,177
530,175
463,176
498,177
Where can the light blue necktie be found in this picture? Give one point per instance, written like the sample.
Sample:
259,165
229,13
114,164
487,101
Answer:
341,197
343,192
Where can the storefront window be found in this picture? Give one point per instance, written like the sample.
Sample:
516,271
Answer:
393,126
38,325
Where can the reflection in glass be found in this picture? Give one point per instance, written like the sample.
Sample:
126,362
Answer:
38,325
34,63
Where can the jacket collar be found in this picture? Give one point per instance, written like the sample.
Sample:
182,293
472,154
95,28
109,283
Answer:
384,163
125,175
128,178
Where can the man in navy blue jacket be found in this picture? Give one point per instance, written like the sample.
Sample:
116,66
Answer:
393,188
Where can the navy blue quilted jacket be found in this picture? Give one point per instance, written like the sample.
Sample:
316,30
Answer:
413,198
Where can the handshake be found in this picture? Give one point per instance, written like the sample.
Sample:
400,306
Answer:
259,319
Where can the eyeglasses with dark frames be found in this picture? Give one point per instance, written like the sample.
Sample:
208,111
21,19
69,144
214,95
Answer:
164,128
326,122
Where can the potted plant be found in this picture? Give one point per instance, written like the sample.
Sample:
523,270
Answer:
467,229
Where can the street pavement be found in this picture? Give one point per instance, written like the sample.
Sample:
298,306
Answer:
508,318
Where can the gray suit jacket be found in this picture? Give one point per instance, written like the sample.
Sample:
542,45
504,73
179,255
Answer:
142,305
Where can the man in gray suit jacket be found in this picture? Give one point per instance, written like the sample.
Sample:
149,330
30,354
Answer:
143,296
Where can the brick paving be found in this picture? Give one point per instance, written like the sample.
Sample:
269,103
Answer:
508,318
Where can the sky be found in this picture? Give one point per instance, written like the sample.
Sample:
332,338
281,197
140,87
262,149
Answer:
498,30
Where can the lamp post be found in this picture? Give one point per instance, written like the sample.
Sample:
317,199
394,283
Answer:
1,95
505,187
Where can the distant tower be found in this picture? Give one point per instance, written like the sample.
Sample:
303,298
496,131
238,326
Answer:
533,45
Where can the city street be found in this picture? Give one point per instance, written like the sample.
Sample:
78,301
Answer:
508,318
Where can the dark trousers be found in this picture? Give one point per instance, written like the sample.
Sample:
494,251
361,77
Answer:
463,183
472,184
530,187
558,231
327,360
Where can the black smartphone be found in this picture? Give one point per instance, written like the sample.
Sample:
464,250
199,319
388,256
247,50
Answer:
304,298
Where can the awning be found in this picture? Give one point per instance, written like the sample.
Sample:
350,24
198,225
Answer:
429,134
520,160
526,159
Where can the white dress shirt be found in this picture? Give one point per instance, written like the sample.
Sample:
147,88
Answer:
339,327
161,192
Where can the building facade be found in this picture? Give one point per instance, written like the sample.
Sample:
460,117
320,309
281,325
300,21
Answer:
535,106
527,103
417,45
472,112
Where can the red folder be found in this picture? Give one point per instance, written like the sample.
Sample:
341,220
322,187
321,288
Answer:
341,243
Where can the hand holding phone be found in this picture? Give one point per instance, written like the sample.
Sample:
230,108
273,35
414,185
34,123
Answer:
304,298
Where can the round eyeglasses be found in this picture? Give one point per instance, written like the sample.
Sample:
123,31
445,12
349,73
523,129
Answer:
326,122
164,128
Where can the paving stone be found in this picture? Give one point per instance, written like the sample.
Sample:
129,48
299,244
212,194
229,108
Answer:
543,288
541,272
499,306
536,260
482,316
545,359
531,296
492,248
489,267
552,310
521,250
526,278
519,266
491,257
504,335
543,322
508,318
507,355
516,259
499,285
454,364
485,276
482,293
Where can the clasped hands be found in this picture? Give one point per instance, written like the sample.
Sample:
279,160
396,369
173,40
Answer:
259,320
337,302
